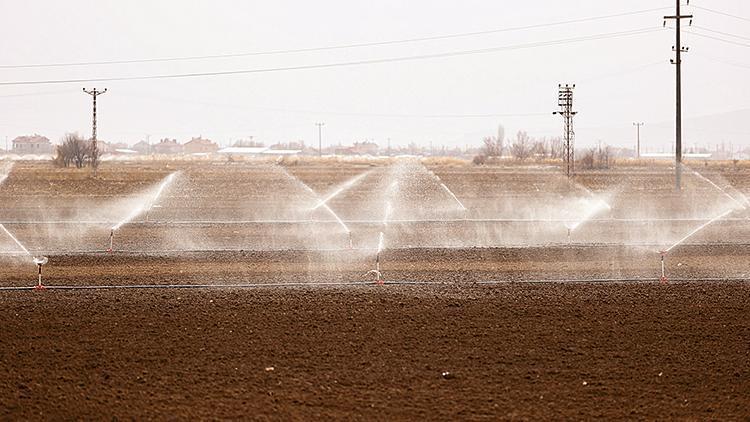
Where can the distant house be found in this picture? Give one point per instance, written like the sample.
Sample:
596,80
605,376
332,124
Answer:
200,146
34,144
167,146
242,143
142,148
365,148
359,148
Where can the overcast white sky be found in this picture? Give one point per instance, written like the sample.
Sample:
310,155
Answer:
619,80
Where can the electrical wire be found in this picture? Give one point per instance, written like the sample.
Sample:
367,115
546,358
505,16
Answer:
697,34
720,32
714,59
334,47
345,64
718,12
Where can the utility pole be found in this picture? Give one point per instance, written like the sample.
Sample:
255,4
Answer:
94,151
638,140
320,138
565,101
677,61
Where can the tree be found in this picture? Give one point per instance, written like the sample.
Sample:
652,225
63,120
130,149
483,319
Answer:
494,146
73,150
491,147
555,148
521,147
539,148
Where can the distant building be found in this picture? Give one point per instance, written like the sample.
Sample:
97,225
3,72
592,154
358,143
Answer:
200,146
167,146
142,148
243,143
34,144
359,148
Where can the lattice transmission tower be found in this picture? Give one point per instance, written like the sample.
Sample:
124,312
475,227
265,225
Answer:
565,101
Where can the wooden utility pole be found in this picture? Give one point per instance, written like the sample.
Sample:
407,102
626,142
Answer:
320,138
94,150
638,140
677,61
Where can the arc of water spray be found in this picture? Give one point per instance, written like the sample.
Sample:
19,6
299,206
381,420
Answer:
600,206
445,187
17,242
460,204
146,205
340,190
324,205
703,226
742,205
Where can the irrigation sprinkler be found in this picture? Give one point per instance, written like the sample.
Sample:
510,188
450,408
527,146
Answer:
569,230
376,272
351,241
111,239
39,262
663,277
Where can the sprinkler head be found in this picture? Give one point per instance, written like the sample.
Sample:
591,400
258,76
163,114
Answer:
111,240
39,261
378,276
663,278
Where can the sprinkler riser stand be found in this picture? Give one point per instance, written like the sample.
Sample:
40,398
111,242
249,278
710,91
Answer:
663,278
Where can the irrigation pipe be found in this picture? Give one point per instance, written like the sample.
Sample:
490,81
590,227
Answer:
369,284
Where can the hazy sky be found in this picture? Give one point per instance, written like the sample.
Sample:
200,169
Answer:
619,80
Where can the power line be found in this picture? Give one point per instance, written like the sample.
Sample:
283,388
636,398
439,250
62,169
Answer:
718,12
346,64
697,34
341,113
333,47
714,59
721,32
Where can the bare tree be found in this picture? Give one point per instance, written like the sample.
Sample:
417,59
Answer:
491,147
539,148
73,150
587,160
555,148
521,147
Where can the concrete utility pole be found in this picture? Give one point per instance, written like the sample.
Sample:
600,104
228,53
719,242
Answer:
94,150
638,140
677,61
565,101
320,138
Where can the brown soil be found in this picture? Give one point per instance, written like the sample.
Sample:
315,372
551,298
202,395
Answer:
519,351
449,348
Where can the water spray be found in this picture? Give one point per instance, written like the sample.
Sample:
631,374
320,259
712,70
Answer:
455,198
744,204
322,203
598,206
17,242
340,190
376,272
39,262
143,207
688,236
